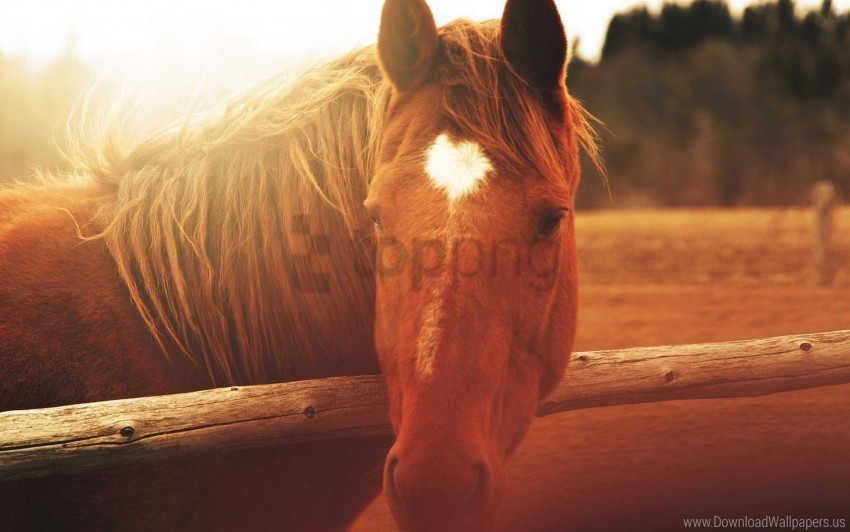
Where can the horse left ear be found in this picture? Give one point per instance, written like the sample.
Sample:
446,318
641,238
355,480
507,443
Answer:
534,42
407,42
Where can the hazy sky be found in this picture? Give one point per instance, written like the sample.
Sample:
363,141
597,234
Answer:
106,31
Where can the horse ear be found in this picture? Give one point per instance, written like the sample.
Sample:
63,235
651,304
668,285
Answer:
407,42
534,42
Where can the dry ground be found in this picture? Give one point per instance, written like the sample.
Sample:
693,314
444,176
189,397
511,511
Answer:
682,276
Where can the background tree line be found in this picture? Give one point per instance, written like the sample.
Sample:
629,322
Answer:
705,107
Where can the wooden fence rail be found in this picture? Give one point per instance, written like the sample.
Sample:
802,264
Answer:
82,437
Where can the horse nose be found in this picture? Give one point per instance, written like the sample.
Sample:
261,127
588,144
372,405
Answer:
436,494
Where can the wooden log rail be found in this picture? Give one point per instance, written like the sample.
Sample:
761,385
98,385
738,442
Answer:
82,437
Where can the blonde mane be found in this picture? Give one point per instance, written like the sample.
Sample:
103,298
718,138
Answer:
240,234
215,220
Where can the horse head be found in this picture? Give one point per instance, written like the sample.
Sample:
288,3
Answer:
472,203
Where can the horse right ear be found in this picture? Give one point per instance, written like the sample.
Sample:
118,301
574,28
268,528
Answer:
407,42
534,42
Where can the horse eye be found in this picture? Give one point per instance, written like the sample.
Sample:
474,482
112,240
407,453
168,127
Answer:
376,223
550,222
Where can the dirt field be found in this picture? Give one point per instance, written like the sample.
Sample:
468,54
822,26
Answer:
675,277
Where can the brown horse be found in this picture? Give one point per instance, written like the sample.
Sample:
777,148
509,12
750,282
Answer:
236,249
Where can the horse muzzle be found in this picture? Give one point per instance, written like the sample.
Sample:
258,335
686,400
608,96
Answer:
442,488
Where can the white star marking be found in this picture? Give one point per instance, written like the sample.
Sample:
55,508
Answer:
456,168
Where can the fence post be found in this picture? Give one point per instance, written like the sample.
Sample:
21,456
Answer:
824,198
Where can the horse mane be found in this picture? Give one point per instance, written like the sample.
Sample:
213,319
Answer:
211,214
485,99
212,218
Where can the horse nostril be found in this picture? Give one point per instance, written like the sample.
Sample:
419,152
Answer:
389,478
484,487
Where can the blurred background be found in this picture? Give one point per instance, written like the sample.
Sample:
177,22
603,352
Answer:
709,106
